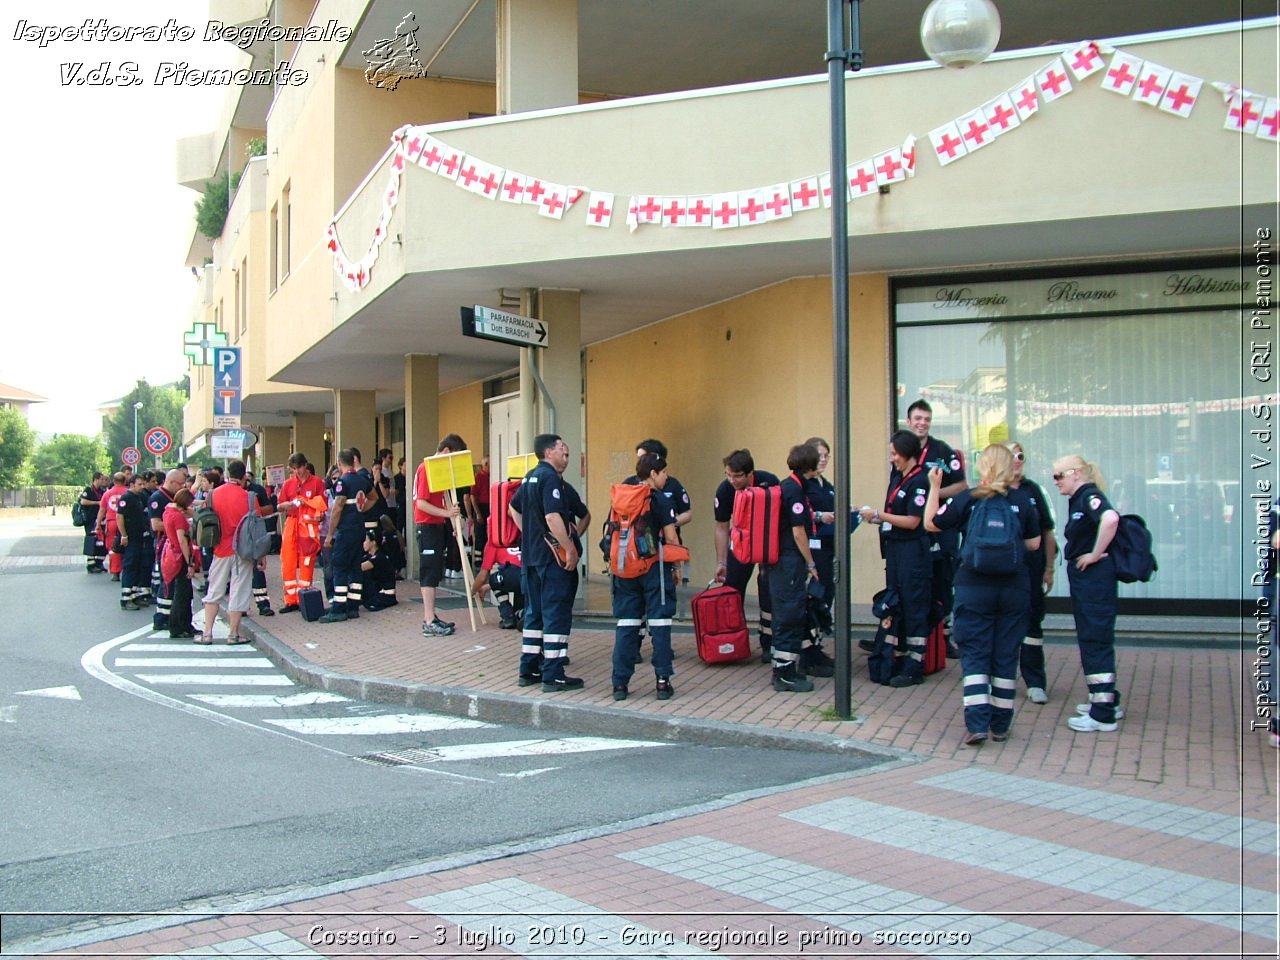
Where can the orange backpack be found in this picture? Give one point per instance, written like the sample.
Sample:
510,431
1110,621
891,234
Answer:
630,544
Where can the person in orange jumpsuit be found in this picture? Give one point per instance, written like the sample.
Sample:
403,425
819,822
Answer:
107,523
302,503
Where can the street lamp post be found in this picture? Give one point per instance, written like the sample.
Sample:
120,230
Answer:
955,33
136,407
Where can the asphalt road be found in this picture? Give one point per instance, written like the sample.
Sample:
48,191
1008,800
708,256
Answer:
128,791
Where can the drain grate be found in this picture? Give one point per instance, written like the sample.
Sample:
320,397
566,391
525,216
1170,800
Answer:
402,758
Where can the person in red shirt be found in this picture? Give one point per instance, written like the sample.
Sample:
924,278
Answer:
431,517
107,523
179,559
302,503
478,505
230,577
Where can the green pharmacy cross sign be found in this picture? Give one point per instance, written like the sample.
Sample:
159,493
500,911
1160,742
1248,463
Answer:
199,342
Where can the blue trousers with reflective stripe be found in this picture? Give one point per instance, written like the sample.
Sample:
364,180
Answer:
990,622
548,615
634,599
1031,658
1093,604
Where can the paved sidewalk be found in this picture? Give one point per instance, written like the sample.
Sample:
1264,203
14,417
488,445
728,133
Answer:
1157,840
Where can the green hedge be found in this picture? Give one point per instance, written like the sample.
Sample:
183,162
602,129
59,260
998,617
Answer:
45,496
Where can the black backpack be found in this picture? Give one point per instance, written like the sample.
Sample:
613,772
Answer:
208,528
1130,551
77,513
993,543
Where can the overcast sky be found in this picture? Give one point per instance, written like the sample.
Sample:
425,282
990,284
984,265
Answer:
96,227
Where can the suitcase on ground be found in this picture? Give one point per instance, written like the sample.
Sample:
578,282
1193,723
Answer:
720,625
311,603
935,650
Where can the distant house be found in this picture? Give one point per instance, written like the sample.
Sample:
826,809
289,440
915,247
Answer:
15,398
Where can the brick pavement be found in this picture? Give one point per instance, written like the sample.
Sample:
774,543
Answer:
1157,840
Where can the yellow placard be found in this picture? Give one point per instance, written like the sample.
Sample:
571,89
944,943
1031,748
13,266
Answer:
520,464
450,471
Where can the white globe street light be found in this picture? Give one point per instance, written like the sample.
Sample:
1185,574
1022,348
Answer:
960,33
137,405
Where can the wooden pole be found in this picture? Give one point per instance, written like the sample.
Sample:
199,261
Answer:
474,605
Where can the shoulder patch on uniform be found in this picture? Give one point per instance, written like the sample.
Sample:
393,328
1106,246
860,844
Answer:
556,493
955,463
919,499
797,508
1094,503
942,509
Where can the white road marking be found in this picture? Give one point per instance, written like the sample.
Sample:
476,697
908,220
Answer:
252,663
217,679
187,648
384,724
268,700
527,748
55,693
9,714
520,774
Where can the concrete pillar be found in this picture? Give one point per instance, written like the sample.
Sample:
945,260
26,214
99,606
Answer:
560,365
537,54
421,430
355,415
308,438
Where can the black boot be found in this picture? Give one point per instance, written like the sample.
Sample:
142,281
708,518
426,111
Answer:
815,663
788,679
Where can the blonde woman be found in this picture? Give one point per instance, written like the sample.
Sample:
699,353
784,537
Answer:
992,596
1090,528
1040,573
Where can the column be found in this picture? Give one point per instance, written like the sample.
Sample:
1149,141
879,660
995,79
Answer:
355,414
308,438
561,367
537,54
421,430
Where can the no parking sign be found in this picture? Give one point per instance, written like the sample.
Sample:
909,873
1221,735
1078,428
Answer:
158,440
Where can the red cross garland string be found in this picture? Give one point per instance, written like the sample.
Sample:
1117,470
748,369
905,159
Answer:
953,399
1145,82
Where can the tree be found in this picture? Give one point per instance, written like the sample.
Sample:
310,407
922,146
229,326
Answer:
211,208
69,459
16,440
161,407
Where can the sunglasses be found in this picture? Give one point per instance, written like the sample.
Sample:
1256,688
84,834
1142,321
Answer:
1059,476
1019,457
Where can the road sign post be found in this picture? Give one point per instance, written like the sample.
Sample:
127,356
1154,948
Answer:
486,323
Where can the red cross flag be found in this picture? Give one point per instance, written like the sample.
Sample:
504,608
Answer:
674,210
534,191
649,209
824,187
1001,115
751,208
806,194
412,144
599,209
699,214
477,176
975,131
1122,74
909,154
948,146
1269,124
1024,98
633,220
575,194
1086,59
1053,81
861,178
432,153
889,167
1244,111
1180,95
724,211
777,201
451,163
1153,80
512,189
554,201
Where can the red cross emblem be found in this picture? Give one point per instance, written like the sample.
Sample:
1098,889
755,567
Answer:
699,213
397,161
599,211
752,209
1150,87
1084,59
1000,116
949,145
725,213
778,203
863,180
490,184
673,212
552,203
1053,81
1272,123
1027,101
431,158
1179,99
1242,113
468,176
977,133
451,163
889,168
514,187
415,147
533,191
804,196
1120,77
649,210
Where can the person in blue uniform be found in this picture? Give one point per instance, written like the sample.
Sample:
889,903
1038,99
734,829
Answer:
651,596
131,523
378,572
267,508
904,544
1090,528
739,473
991,609
675,494
1040,565
790,577
549,571
944,547
345,537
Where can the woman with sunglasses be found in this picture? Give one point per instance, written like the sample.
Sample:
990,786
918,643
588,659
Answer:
1040,571
1090,528
991,600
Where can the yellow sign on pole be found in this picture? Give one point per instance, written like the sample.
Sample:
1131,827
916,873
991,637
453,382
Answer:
450,471
519,465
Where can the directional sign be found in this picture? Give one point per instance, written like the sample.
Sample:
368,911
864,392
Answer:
226,387
229,444
490,324
131,456
157,440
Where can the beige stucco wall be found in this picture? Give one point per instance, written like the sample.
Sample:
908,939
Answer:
462,412
774,348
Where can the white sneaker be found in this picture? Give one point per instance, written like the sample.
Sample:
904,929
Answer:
1090,725
1083,710
1037,695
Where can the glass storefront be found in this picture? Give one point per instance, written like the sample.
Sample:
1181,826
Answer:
1144,374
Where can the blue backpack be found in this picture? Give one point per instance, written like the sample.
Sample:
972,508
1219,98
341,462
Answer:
993,538
1131,552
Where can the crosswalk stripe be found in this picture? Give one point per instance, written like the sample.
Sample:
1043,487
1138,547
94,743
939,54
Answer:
254,663
217,679
1168,818
517,748
1084,871
563,926
268,700
187,648
847,903
386,723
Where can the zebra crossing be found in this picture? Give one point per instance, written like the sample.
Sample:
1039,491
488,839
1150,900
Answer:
237,685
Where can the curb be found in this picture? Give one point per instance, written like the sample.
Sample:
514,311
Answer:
547,715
